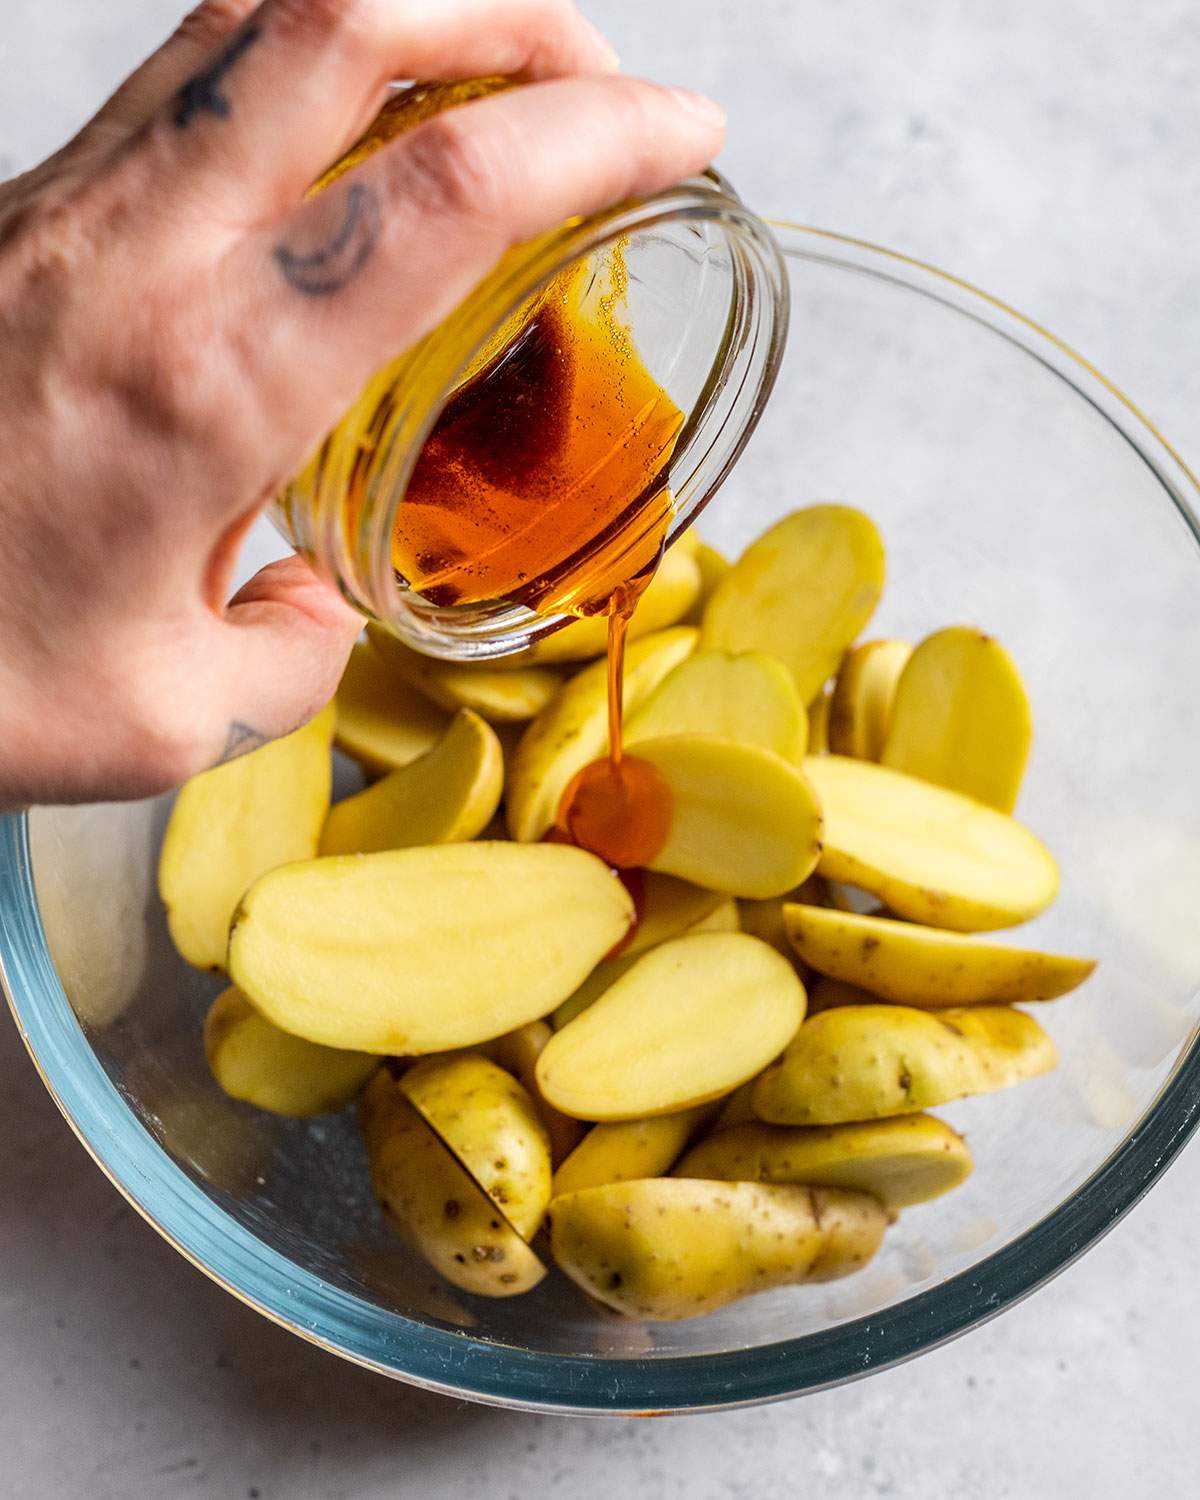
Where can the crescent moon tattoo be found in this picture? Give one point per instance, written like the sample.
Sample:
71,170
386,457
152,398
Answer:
330,267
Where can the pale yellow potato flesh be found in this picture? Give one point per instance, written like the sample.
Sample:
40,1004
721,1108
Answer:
667,1248
234,823
803,591
743,819
421,950
864,1062
434,1203
901,1161
929,854
382,723
626,1149
713,567
492,1126
518,1051
254,1061
500,695
686,1023
860,708
926,967
573,730
670,595
961,718
749,697
446,796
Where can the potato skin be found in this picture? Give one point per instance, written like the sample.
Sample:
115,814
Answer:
492,1126
435,1204
673,1248
865,1062
901,1161
925,966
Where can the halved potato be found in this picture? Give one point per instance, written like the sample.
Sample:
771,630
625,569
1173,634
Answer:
422,950
688,1022
261,1065
669,1248
862,1062
861,706
518,1051
961,717
431,1199
383,723
492,1126
929,854
446,796
713,567
743,820
803,591
234,823
750,697
901,1161
501,695
925,967
573,730
623,1150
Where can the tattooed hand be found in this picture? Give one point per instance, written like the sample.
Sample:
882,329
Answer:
179,327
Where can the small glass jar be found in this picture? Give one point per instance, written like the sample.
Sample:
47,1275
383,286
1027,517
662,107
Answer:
704,298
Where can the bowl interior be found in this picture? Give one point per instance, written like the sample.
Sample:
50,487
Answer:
1014,491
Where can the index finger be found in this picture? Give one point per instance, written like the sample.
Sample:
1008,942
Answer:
300,80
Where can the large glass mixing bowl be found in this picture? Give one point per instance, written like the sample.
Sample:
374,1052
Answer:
1016,489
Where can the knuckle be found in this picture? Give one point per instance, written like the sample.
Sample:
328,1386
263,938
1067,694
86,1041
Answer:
212,21
449,169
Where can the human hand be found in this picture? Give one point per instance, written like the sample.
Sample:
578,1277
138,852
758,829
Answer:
169,360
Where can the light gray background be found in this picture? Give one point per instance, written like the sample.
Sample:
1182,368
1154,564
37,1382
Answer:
1047,151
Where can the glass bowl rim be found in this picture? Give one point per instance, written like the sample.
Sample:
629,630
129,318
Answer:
458,1364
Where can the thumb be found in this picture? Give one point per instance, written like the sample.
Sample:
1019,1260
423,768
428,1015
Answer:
287,635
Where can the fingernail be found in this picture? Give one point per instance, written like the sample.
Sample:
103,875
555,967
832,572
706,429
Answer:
606,50
699,105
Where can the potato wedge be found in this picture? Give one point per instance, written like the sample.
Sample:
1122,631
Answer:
492,1126
422,950
713,567
446,796
234,823
925,967
669,596
861,706
863,1062
901,1161
500,695
256,1062
383,724
573,730
961,718
668,1248
929,854
803,591
433,1202
518,1051
750,698
764,919
688,1022
743,819
624,1150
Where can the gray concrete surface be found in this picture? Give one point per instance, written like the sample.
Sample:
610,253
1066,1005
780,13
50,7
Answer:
1047,152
